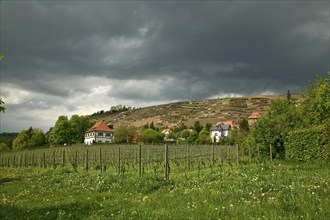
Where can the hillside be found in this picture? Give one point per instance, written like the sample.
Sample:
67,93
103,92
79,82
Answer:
187,112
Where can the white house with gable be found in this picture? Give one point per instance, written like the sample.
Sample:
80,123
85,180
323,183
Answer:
220,130
99,133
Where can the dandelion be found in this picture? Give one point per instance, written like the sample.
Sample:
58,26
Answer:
145,199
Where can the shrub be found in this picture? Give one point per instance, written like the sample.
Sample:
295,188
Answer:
307,144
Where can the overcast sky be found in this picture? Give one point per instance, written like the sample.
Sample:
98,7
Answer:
79,57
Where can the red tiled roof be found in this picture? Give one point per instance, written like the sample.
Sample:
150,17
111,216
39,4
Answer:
100,126
229,123
254,115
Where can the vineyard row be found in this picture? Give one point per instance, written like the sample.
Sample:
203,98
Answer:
133,157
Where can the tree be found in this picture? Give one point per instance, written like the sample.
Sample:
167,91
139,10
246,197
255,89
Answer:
274,126
3,147
192,137
21,141
150,136
37,139
197,126
2,108
203,137
60,134
152,125
29,139
316,103
78,127
244,125
288,97
125,134
182,126
208,126
121,135
185,134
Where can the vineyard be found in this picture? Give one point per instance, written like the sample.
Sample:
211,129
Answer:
160,182
137,159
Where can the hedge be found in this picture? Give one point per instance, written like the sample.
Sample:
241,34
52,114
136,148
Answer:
308,144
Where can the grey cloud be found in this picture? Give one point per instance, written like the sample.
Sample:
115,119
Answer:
182,50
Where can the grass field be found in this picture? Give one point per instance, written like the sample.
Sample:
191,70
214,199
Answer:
277,190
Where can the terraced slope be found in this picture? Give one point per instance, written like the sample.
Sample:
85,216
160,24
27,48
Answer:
187,112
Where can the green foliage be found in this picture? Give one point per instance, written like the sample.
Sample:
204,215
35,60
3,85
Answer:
243,125
3,147
150,136
293,129
254,191
29,139
182,127
203,137
308,144
68,131
288,97
78,127
125,134
8,138
316,104
274,126
192,137
185,133
119,108
60,134
197,126
208,126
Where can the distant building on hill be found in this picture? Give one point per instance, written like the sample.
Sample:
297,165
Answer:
218,131
253,117
99,133
231,124
166,131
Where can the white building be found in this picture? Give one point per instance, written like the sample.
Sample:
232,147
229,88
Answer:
220,130
99,133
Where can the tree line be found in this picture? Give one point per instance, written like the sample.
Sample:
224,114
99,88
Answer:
296,129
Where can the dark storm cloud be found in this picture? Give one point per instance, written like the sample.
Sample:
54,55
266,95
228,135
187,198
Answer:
160,51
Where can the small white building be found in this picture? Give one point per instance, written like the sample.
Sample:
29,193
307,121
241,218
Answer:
99,133
220,130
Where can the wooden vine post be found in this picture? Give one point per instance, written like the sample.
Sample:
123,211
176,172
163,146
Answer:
237,154
188,157
43,160
166,173
213,156
139,160
118,161
63,158
54,159
86,163
100,160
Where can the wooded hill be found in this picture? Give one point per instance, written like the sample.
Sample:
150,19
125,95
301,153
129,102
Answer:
187,112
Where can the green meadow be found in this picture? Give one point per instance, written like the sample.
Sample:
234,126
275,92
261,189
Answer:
277,190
